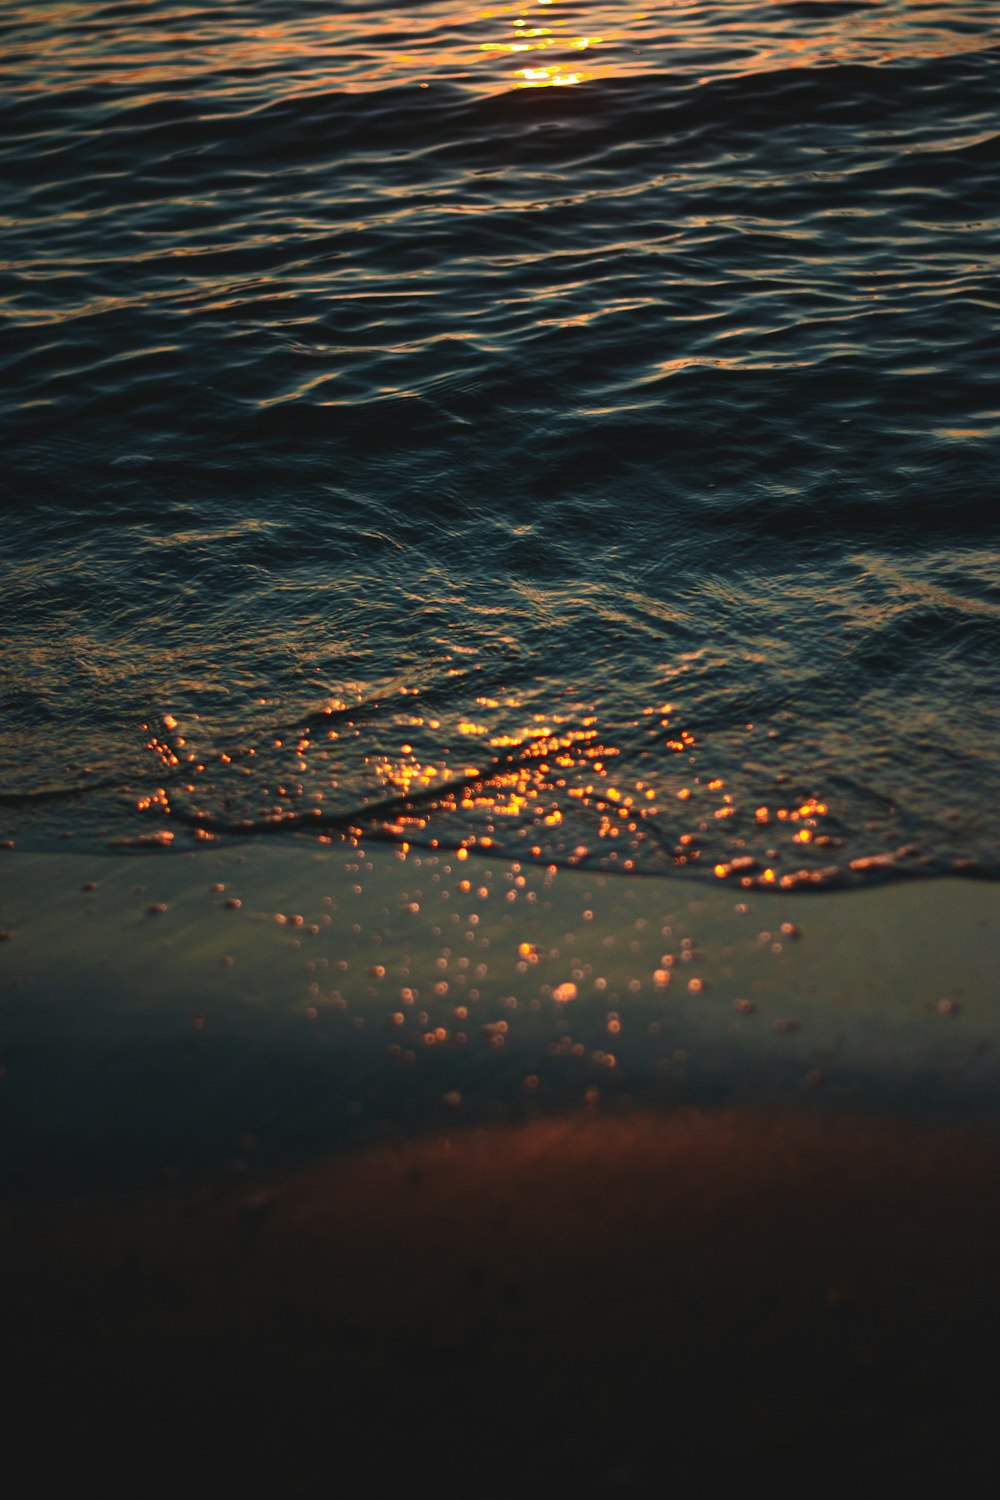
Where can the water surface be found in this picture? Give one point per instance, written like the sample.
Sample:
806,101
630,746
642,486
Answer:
557,429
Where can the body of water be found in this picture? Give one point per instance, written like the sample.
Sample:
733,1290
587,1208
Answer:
560,430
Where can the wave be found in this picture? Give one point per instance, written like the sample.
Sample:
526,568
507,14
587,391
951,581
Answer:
91,129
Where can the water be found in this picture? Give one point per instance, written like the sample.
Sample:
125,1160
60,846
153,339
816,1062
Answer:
558,430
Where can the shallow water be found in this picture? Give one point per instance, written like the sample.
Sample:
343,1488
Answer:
555,429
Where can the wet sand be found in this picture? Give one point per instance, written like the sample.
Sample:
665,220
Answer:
261,1003
246,1245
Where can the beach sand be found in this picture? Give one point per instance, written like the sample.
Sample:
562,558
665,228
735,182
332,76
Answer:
746,1235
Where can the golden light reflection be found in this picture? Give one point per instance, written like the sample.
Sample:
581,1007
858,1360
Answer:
644,793
541,42
519,34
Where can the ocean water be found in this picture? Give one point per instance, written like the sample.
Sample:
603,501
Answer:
557,429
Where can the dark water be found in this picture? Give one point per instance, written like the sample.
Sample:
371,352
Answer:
605,471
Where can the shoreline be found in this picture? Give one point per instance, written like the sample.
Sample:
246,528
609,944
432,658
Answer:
162,1014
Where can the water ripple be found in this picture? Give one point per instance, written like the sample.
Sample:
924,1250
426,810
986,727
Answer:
430,422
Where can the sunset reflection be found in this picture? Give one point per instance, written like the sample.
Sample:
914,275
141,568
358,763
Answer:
549,43
543,787
520,34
